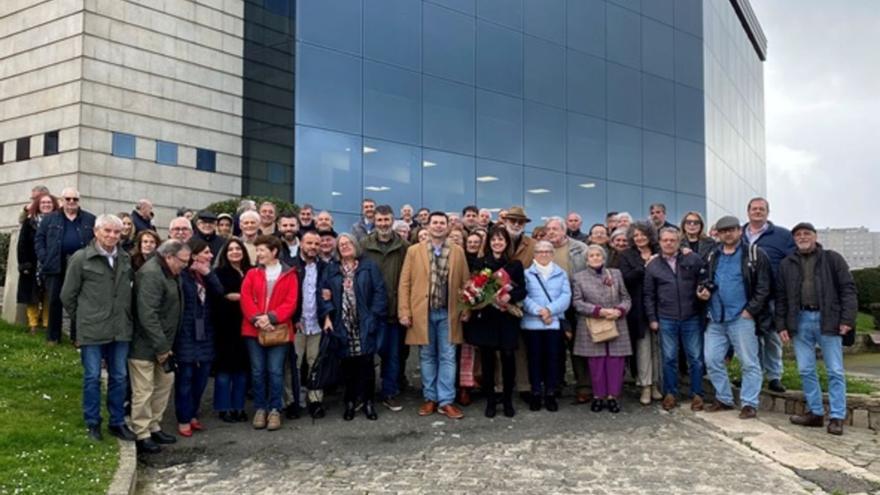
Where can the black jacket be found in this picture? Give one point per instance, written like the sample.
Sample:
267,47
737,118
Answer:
671,295
757,279
489,326
632,267
214,241
835,289
50,235
141,223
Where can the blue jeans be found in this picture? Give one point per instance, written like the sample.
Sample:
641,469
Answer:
437,360
809,334
691,336
389,351
189,386
267,365
117,384
229,391
741,334
770,350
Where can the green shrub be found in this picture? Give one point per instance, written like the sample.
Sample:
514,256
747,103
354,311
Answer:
4,254
868,287
230,205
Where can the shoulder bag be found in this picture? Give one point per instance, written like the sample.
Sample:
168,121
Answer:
564,325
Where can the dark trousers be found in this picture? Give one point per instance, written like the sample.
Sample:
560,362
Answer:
508,371
544,351
56,309
189,385
359,376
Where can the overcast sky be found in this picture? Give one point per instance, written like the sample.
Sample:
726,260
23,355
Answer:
822,92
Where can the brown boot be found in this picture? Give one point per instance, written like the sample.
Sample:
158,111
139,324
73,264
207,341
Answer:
835,426
748,412
669,402
697,403
717,406
808,419
464,397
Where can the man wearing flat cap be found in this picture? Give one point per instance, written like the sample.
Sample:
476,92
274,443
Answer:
736,282
515,220
816,305
206,230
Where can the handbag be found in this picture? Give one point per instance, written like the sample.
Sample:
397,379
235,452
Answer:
326,370
602,330
564,325
277,335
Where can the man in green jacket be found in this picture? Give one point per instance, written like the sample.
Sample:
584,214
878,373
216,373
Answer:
159,305
97,296
388,250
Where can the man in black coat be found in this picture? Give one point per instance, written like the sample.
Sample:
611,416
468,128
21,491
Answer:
206,230
816,304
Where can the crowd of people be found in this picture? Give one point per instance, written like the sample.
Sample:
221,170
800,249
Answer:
282,308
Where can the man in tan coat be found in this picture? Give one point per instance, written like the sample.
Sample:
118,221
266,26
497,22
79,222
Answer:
433,273
524,251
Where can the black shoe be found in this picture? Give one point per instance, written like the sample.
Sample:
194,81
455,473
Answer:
509,411
123,432
162,437
490,407
228,416
736,383
291,411
370,411
535,403
318,410
241,417
613,407
348,415
551,404
776,386
597,405
526,397
95,433
147,446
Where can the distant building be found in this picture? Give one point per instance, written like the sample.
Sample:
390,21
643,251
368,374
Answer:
858,245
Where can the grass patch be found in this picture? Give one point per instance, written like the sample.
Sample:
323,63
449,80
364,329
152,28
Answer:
792,380
865,323
43,442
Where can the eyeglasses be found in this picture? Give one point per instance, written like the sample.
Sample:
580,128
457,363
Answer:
517,221
72,200
180,229
182,260
543,252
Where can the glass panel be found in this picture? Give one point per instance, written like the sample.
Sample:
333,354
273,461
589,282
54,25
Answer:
545,71
586,146
624,90
393,32
658,104
123,145
689,113
392,103
586,26
545,136
587,197
499,58
689,202
625,198
689,16
331,23
630,4
658,160
328,90
507,12
662,10
166,153
545,195
50,143
448,119
657,48
447,180
690,167
546,19
624,33
276,173
586,83
466,6
206,160
688,60
499,185
448,49
328,169
651,196
392,173
624,153
499,127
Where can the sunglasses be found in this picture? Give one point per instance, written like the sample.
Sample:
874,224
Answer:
517,221
72,200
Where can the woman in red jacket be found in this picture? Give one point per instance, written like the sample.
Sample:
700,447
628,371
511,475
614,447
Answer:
268,298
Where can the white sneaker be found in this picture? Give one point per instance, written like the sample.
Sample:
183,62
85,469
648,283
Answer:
645,399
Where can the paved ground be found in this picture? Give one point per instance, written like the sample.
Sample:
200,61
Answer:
641,450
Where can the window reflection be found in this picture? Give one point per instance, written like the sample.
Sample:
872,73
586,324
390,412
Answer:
392,173
328,169
447,180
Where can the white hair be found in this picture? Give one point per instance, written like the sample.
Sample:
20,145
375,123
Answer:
554,219
108,219
399,224
183,220
69,191
249,214
544,245
597,248
577,215
624,214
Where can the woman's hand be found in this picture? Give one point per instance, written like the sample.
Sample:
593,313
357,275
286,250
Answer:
326,295
233,296
502,298
328,325
262,322
546,316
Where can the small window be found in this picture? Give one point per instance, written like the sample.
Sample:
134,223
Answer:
206,160
123,145
23,149
166,153
275,173
2,152
50,143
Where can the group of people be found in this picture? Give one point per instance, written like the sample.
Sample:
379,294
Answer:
281,306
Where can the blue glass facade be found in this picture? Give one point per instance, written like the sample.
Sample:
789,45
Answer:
558,105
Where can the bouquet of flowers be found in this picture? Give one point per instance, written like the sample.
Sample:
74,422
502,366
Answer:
485,288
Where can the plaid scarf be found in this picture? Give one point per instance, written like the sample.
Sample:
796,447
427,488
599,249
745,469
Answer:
349,309
439,276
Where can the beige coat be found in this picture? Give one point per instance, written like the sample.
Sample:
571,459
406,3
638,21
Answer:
525,252
413,299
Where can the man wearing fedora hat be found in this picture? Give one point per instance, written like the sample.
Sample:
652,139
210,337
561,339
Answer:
515,220
816,304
